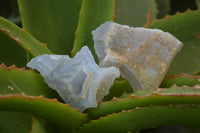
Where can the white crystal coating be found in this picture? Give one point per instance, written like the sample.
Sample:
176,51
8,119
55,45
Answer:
142,55
79,80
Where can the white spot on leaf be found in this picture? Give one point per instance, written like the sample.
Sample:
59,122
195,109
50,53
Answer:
10,87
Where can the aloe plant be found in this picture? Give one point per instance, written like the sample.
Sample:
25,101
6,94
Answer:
27,104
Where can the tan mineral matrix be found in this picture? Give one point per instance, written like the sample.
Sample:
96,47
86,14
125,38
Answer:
142,55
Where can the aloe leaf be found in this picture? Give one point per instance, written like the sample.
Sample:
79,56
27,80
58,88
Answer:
197,73
20,122
123,86
23,38
39,124
174,95
25,82
180,80
65,118
37,127
8,46
51,22
163,7
181,26
15,122
93,13
134,12
118,88
145,118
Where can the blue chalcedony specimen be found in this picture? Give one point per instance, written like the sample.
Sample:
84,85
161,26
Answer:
79,80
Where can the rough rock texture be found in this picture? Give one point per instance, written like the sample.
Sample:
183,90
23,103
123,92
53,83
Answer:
142,55
79,80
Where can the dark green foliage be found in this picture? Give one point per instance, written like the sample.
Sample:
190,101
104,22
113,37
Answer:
51,22
27,104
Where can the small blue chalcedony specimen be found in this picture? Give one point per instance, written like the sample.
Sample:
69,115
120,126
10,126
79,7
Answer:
79,80
142,55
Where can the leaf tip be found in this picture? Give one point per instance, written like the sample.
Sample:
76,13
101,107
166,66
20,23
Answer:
25,30
188,9
3,65
197,86
177,12
197,36
79,14
44,44
148,23
114,16
115,99
75,33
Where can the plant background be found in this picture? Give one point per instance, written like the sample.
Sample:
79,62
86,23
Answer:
129,12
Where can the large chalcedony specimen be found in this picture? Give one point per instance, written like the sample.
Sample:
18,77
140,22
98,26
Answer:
142,55
79,80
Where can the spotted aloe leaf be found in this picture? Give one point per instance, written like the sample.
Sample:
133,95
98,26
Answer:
145,118
25,82
65,118
51,22
174,95
15,81
23,38
93,13
181,26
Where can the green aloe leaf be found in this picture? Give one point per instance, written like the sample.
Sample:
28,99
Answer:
20,122
65,118
197,73
15,122
40,125
8,46
145,118
51,22
134,12
23,38
118,88
180,80
174,95
93,13
37,126
24,82
185,26
123,86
